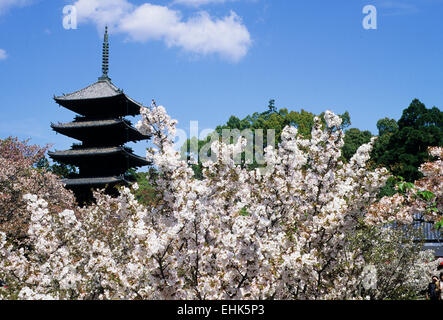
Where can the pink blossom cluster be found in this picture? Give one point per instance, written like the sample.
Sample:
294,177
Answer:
19,177
402,206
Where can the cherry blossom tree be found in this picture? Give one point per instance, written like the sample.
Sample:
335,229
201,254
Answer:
280,232
19,177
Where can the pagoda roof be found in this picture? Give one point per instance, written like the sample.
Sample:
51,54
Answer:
88,153
100,97
97,90
94,181
82,129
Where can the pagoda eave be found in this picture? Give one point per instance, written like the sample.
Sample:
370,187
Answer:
118,105
94,181
82,156
117,130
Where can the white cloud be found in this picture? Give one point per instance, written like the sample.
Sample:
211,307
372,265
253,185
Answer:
200,34
5,5
102,12
3,54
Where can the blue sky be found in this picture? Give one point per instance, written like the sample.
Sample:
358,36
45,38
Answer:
206,60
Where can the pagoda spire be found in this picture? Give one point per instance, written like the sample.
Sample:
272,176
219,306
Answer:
105,57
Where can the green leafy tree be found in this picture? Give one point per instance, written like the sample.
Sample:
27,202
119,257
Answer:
386,126
60,169
402,146
145,193
353,139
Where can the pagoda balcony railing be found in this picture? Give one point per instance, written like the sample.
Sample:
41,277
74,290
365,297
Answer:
80,120
98,118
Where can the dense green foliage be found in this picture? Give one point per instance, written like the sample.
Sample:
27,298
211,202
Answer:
354,138
402,146
278,120
145,193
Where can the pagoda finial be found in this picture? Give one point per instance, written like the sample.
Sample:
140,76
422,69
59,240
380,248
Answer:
105,61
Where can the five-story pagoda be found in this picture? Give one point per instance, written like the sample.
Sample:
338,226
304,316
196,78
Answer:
102,158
